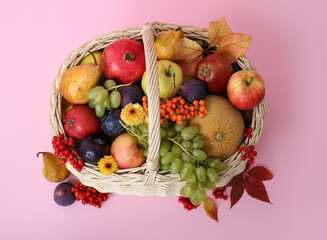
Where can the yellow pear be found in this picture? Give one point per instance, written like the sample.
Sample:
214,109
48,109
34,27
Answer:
77,81
166,44
52,169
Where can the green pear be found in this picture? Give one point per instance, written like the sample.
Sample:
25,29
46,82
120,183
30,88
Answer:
166,43
52,169
77,81
89,58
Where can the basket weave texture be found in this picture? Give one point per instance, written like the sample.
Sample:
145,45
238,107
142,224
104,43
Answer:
146,180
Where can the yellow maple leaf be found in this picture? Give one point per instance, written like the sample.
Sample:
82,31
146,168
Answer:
189,67
187,49
233,46
217,30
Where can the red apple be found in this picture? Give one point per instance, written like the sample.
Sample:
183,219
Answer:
245,89
215,71
123,61
81,122
124,149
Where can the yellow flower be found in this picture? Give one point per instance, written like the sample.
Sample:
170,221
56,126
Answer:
107,165
133,114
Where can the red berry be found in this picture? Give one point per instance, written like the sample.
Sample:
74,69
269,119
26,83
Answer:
63,161
245,149
247,154
251,147
80,162
254,153
249,135
243,157
249,130
71,156
239,150
75,165
76,153
62,147
61,135
250,161
72,144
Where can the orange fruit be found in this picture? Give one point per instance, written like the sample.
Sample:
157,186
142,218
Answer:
222,128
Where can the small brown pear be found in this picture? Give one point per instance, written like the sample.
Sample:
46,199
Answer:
52,169
77,81
166,43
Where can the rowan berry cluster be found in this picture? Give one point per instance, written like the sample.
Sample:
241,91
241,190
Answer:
177,110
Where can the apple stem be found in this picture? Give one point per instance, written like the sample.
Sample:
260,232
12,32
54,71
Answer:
249,82
178,29
168,70
95,60
39,153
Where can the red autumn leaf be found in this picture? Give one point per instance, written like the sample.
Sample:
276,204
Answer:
234,179
255,188
211,209
261,173
237,190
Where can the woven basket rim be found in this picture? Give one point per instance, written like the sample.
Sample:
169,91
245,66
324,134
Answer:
132,181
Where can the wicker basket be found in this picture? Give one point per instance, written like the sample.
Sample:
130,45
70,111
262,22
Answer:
145,180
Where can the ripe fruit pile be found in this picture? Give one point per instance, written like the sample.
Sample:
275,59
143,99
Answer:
194,77
177,110
89,195
65,148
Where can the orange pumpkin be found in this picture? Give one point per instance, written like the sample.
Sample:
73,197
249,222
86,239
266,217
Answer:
222,128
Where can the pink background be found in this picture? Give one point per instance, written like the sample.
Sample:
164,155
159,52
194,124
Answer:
288,48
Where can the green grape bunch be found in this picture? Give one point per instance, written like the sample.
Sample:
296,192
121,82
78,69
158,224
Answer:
101,99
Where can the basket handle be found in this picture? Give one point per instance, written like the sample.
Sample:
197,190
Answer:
154,139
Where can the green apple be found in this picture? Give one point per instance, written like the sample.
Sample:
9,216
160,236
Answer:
170,79
89,58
